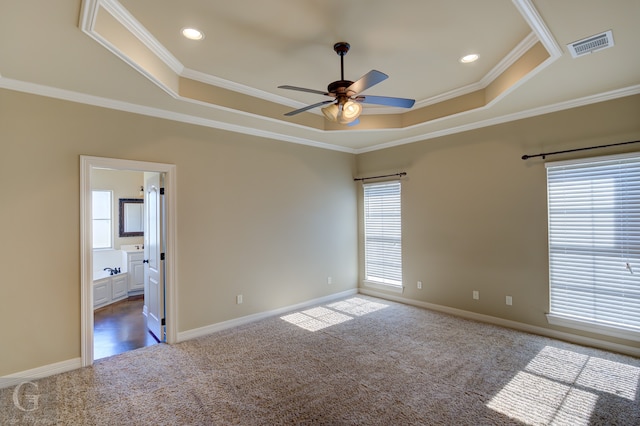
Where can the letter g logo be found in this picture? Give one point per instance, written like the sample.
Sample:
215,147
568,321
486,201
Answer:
29,402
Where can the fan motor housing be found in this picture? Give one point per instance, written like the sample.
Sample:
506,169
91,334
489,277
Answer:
339,87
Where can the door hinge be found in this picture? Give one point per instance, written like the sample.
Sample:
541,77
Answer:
163,322
161,191
161,256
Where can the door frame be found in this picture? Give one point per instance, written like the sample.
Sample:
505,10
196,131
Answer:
88,163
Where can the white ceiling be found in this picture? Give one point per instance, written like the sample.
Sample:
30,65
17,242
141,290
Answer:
63,49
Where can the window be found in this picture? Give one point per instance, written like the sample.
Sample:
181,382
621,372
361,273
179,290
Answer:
383,234
101,211
594,244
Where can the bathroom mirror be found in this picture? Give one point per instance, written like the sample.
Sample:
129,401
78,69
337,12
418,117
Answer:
131,217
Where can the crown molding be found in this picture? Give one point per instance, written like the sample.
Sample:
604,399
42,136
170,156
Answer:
71,96
67,95
237,87
540,33
560,106
90,9
127,20
523,47
516,53
533,18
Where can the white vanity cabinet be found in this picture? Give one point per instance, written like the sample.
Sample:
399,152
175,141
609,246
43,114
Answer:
135,269
109,289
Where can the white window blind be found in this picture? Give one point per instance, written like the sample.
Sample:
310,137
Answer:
594,241
383,233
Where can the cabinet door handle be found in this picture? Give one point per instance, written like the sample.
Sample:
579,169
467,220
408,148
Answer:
145,261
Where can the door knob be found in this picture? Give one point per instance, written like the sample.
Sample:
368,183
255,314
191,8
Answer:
145,261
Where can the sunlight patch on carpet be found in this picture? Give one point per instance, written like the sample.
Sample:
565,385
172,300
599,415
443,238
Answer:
325,316
557,364
537,400
316,319
611,377
357,306
562,386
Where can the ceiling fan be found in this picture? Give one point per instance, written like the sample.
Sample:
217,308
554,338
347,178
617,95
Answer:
345,108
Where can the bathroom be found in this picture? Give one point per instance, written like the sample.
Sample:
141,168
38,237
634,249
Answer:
118,269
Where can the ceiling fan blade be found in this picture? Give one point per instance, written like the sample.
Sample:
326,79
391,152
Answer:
371,78
386,100
308,107
302,89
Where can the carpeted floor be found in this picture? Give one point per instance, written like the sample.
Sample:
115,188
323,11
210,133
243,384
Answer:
357,361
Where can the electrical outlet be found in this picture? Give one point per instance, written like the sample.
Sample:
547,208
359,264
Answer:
239,299
509,300
476,295
329,280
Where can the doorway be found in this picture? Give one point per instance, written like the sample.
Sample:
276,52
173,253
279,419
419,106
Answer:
87,165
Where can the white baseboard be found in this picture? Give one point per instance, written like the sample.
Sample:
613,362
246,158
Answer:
40,372
208,329
573,338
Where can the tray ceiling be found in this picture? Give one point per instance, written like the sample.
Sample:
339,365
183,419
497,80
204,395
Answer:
130,55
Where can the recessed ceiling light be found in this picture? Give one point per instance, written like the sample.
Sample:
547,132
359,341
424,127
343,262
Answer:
192,34
469,58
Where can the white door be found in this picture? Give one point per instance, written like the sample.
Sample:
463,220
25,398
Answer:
154,254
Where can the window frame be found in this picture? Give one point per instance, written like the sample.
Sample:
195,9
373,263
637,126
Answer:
394,230
610,230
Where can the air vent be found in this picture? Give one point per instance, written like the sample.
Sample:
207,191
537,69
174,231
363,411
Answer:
591,44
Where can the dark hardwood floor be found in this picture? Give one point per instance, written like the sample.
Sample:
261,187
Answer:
120,327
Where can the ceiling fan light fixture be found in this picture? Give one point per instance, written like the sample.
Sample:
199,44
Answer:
331,112
346,106
350,111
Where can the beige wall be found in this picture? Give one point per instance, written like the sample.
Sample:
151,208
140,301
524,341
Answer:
271,220
124,184
474,213
267,219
